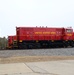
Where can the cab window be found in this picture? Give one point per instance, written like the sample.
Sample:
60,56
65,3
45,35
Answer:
69,30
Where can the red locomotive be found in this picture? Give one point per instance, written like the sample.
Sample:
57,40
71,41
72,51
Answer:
12,42
44,37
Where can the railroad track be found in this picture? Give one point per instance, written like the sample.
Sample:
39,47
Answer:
38,52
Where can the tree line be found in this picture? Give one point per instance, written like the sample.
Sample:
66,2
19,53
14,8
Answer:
3,42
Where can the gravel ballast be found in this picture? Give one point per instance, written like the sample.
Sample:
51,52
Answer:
37,52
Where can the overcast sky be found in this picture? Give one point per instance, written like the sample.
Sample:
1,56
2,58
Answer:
51,13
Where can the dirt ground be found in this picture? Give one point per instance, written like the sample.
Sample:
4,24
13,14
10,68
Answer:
34,59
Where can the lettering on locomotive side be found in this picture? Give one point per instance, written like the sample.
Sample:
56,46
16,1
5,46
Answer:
45,33
53,32
38,32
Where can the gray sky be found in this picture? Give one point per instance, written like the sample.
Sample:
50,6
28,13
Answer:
51,13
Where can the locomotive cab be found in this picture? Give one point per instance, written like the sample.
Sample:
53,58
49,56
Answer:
68,37
68,34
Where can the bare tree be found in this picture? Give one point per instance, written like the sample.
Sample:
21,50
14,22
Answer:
3,43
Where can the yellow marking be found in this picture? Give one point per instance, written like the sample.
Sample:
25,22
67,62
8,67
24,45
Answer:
20,41
53,32
69,34
36,40
45,32
52,40
38,32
